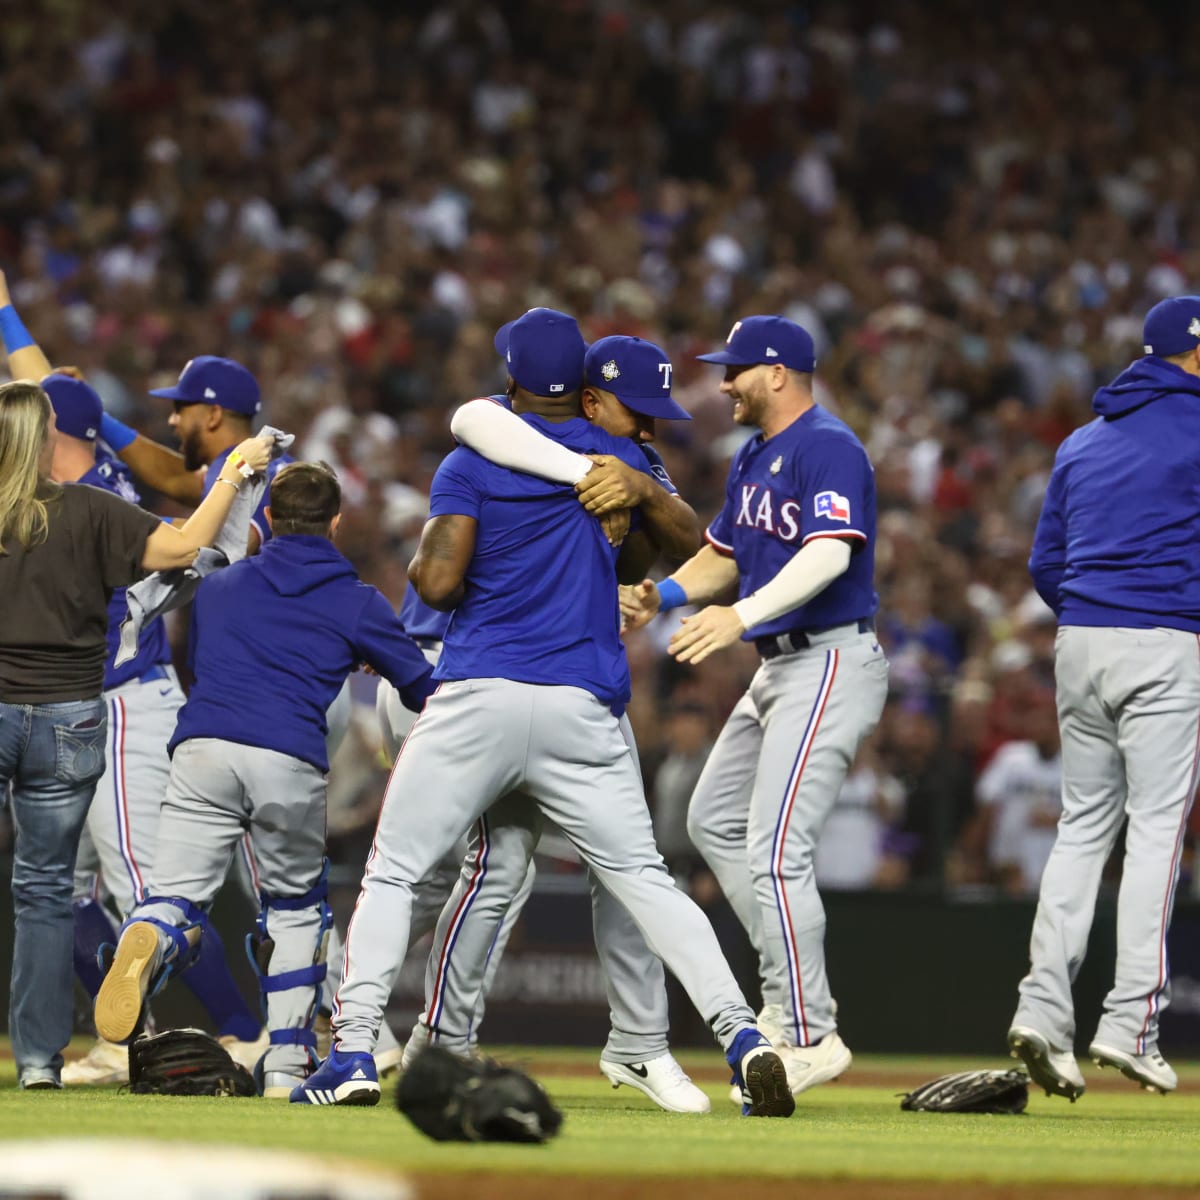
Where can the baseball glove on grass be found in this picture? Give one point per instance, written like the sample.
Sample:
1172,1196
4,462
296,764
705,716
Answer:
971,1092
452,1099
186,1062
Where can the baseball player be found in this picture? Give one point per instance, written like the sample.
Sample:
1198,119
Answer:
274,637
533,682
1114,556
796,536
627,385
143,698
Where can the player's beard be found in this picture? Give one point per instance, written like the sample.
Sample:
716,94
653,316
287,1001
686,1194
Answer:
749,404
193,456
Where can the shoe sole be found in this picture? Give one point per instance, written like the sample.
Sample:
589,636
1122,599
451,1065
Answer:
346,1095
123,992
616,1078
1033,1051
1103,1056
767,1087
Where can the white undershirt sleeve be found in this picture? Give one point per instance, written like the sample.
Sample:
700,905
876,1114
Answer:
500,436
814,566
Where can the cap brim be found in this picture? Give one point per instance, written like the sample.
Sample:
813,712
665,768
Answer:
171,393
500,341
662,408
724,358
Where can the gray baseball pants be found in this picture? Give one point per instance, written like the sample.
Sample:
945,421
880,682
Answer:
1129,715
765,792
476,741
496,879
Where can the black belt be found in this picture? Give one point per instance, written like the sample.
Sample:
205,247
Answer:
792,640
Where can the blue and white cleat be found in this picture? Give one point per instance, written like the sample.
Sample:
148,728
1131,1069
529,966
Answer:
343,1078
761,1075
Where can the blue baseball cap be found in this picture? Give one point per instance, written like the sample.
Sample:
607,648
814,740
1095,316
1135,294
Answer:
543,350
768,340
210,380
637,372
77,406
1172,326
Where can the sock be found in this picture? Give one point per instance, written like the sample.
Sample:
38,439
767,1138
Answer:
93,928
210,981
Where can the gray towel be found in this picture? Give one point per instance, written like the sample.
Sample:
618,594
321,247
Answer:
165,590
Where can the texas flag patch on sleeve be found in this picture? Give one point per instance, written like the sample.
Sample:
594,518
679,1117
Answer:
832,507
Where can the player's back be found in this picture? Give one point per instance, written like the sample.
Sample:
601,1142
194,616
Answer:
1129,484
540,600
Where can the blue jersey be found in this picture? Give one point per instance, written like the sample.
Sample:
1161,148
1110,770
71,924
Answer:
1116,539
540,602
421,621
258,520
153,650
274,637
811,480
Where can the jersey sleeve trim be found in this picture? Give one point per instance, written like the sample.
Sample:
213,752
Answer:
719,546
857,534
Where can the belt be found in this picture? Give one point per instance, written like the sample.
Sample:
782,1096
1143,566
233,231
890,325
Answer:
156,672
792,640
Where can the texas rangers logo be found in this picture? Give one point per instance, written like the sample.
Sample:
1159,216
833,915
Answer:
832,506
610,370
776,466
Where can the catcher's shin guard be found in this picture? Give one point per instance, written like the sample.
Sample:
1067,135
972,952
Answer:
143,962
289,1018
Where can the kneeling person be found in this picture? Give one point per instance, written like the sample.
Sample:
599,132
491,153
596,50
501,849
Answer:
273,639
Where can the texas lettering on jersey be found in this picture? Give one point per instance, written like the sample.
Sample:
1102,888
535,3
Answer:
760,509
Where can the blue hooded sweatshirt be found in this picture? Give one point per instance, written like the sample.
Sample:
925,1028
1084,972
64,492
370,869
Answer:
273,639
1118,540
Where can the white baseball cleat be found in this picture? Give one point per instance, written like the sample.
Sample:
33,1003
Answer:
662,1079
1151,1070
1055,1071
822,1062
105,1062
278,1085
246,1054
770,1024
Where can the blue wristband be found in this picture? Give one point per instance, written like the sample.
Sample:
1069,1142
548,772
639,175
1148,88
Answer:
15,335
670,595
115,433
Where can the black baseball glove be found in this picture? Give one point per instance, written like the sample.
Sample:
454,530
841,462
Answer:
452,1099
186,1062
971,1092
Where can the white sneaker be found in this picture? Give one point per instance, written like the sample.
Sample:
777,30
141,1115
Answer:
105,1062
388,1061
1151,1070
821,1062
246,1054
1055,1071
770,1024
662,1079
278,1085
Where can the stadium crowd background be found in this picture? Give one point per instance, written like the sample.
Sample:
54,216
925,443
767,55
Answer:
971,216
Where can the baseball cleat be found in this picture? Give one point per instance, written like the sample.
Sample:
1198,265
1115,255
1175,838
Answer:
662,1079
1151,1070
123,992
770,1024
279,1085
343,1078
822,1062
1053,1070
761,1075
103,1063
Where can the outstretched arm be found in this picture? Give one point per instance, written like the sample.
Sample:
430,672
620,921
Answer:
500,436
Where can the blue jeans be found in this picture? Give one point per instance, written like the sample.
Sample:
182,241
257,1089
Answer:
53,754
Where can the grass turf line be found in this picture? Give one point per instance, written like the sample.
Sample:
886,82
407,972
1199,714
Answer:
839,1131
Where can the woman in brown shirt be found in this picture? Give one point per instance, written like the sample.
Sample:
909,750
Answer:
62,551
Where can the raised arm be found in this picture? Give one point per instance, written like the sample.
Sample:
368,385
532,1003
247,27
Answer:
171,546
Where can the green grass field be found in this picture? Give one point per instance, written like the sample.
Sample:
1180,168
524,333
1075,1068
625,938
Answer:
1116,1135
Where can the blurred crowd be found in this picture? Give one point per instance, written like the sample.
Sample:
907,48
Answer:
971,212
